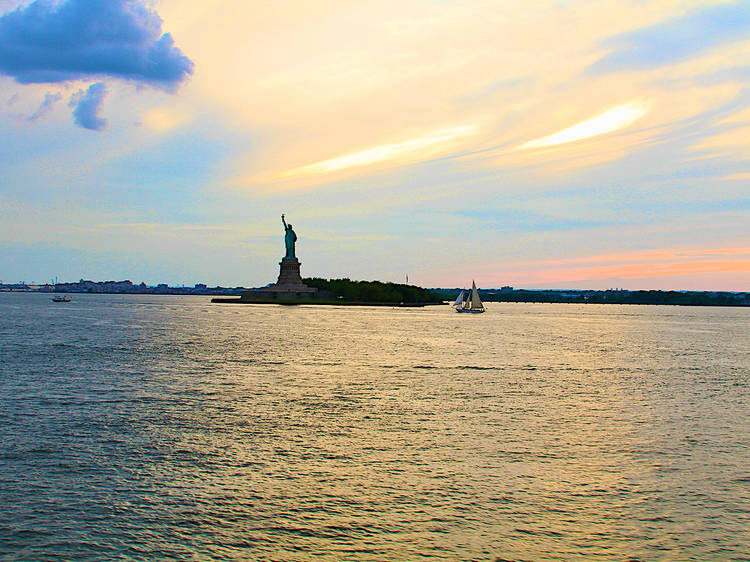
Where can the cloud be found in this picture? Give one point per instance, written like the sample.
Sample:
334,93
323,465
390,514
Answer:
49,101
385,152
48,41
676,39
612,120
87,105
627,265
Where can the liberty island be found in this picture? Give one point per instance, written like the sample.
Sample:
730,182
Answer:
291,289
289,285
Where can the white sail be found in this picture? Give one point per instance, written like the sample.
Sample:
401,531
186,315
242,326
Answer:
476,303
460,300
469,301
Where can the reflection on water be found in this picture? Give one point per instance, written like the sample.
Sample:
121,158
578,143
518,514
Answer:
144,426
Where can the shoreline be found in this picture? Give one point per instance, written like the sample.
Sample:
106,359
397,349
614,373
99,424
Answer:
296,302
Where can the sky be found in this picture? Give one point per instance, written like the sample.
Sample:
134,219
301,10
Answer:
549,144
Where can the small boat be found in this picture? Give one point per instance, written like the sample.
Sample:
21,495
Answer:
469,302
61,298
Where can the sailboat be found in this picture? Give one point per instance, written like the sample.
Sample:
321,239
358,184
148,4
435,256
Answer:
469,302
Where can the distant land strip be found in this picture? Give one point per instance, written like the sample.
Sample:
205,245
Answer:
323,302
120,287
371,292
610,296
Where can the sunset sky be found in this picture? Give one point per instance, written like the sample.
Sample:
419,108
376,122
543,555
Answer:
550,144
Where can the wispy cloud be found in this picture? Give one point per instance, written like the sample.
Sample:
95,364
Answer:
612,120
49,101
385,152
675,39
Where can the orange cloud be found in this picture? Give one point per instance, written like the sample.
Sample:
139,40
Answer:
638,271
649,256
625,265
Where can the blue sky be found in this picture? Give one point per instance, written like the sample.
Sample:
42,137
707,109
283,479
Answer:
557,144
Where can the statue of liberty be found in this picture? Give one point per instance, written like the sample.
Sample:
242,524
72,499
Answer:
289,239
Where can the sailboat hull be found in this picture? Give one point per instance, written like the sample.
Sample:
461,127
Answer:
479,311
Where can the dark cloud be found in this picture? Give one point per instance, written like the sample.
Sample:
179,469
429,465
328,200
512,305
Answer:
87,105
48,41
676,39
49,101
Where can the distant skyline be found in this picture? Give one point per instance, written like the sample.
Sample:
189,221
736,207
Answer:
554,144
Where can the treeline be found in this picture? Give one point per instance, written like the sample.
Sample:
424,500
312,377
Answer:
682,298
689,298
373,291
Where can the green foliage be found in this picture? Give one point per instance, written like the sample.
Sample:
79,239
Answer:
373,291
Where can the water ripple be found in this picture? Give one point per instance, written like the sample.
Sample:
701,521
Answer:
143,427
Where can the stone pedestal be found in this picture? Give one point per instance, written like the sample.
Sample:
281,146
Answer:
288,287
289,273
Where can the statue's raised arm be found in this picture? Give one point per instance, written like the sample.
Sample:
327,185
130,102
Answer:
283,221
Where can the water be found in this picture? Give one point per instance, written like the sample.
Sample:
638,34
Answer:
142,427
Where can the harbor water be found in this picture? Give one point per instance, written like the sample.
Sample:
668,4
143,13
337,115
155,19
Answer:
145,427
